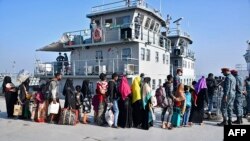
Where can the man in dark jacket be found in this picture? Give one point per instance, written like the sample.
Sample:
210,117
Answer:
113,96
211,89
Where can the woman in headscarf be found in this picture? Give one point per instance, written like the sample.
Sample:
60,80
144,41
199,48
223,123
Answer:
201,93
125,115
10,93
24,98
101,94
136,102
86,97
69,93
147,112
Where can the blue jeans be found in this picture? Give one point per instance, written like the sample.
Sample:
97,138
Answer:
210,103
186,115
116,112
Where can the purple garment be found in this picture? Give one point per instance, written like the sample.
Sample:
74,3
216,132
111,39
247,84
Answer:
200,85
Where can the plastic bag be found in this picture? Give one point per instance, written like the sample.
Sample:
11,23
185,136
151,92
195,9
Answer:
109,116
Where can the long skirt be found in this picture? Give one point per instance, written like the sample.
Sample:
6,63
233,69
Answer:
137,113
125,113
11,99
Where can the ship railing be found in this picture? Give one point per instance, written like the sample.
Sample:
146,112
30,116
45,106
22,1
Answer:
116,33
124,4
90,67
178,32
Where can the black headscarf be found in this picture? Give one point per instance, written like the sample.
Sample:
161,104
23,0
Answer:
68,85
7,79
85,89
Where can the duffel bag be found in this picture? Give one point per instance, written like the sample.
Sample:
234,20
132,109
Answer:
68,117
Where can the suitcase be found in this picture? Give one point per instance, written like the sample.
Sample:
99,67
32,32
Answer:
176,117
69,117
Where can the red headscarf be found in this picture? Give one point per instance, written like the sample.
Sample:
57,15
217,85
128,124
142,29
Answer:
124,88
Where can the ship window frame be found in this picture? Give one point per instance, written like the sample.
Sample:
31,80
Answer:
143,54
157,25
106,21
121,18
126,57
99,57
147,23
153,84
148,54
163,58
159,81
152,25
167,59
98,23
157,57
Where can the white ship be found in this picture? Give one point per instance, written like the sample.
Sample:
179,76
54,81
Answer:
128,38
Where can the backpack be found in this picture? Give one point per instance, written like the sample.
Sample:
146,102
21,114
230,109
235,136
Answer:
159,96
46,92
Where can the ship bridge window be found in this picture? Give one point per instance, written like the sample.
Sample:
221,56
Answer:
108,22
123,21
126,54
99,56
147,23
156,27
152,25
147,55
142,53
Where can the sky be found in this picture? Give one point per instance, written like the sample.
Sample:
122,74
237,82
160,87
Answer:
219,29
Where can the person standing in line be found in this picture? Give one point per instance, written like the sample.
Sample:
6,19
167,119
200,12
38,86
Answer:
114,97
188,98
169,96
177,79
10,93
228,97
86,98
69,93
238,101
125,111
54,96
247,94
201,93
211,89
137,102
101,92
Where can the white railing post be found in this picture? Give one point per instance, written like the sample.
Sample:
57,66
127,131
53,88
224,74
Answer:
86,68
74,68
113,66
99,66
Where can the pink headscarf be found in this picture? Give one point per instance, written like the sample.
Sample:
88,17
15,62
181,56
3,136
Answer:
200,85
124,88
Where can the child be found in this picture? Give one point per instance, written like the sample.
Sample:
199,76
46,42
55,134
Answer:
79,100
188,106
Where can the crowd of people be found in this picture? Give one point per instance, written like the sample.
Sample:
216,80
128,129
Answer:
118,104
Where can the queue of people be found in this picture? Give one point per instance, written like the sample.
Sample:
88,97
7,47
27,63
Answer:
120,104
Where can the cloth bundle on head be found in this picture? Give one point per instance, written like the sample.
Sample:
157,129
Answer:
22,76
124,88
200,85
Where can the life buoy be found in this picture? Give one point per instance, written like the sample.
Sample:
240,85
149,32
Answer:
97,34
